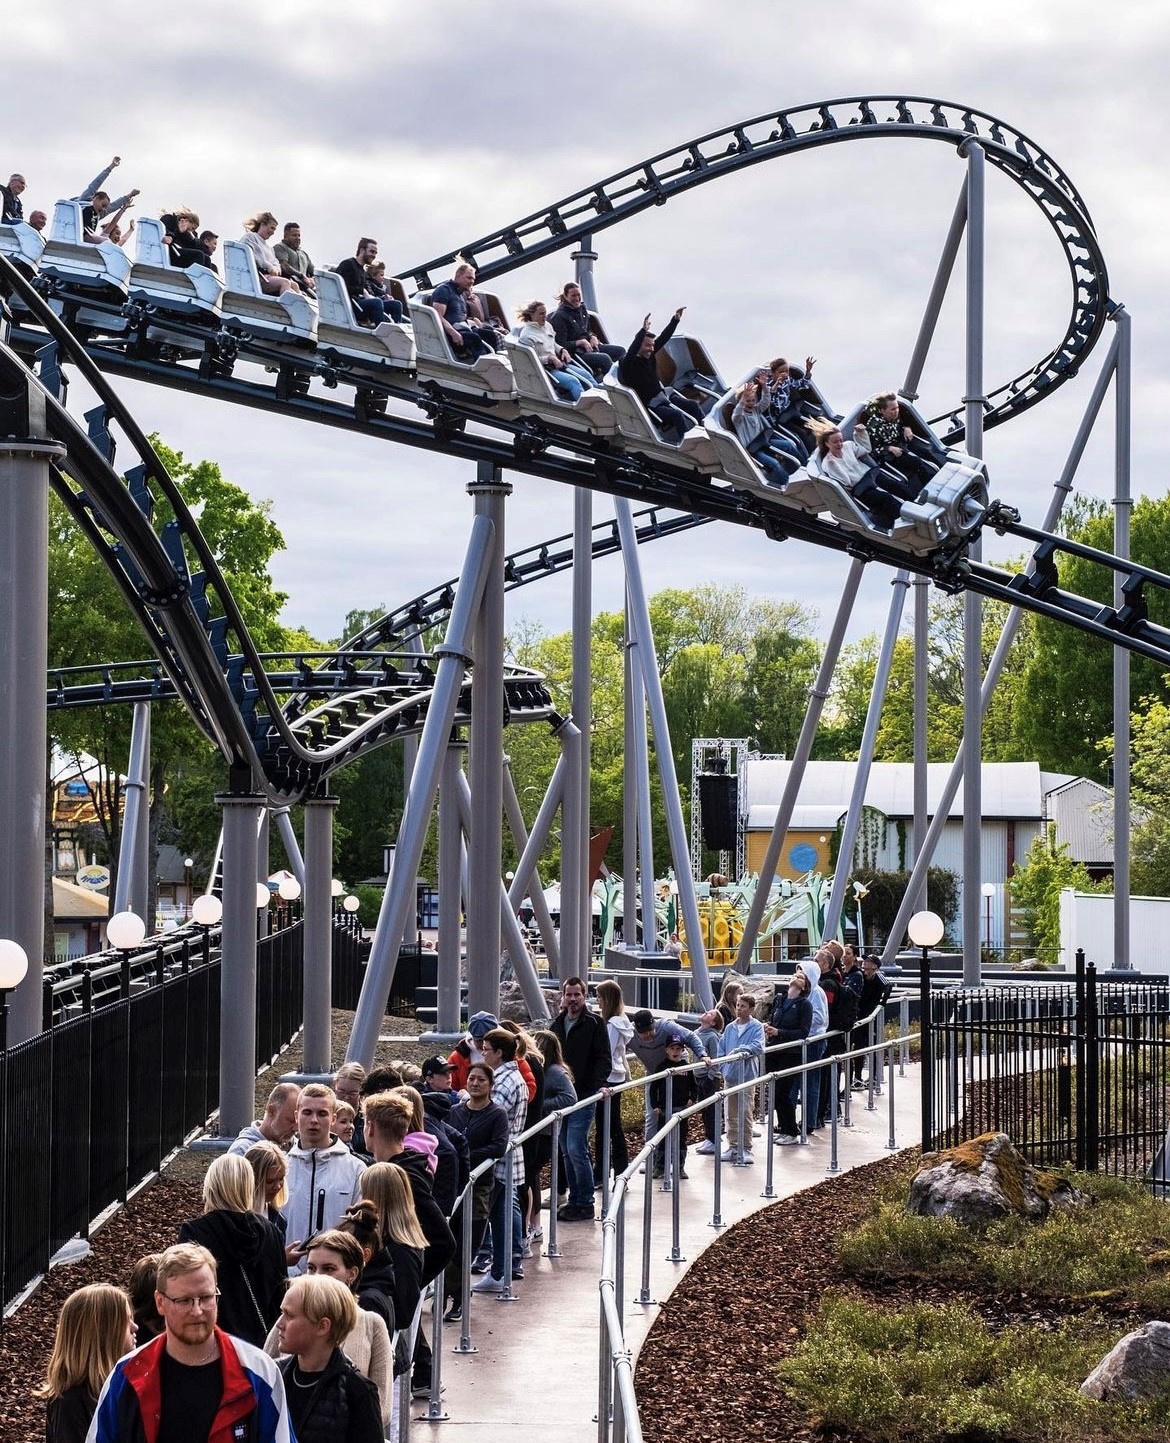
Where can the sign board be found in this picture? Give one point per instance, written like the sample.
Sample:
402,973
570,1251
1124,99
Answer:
94,877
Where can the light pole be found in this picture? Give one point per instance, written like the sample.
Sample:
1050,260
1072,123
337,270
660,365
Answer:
13,969
125,931
988,890
188,867
263,897
926,931
288,891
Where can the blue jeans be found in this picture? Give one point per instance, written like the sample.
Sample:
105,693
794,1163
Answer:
816,1050
578,1166
567,382
500,1230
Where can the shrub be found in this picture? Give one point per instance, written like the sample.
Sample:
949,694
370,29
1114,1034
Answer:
936,1373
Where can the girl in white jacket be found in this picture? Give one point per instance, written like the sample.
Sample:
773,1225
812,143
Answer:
612,1007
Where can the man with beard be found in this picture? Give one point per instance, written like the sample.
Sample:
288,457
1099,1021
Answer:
194,1383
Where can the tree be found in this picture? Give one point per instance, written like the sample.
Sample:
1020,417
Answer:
1065,705
1036,885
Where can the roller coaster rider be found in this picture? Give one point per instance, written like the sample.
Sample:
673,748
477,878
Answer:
674,412
892,445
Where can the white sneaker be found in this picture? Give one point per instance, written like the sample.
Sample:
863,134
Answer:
488,1285
536,1235
757,1132
706,1148
785,1139
747,1156
730,1155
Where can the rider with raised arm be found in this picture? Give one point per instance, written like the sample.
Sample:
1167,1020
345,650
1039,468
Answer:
674,412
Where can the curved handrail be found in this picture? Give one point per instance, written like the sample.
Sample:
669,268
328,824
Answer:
654,181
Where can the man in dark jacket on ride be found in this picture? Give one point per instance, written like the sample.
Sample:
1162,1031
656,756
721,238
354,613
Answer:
572,326
638,369
584,1041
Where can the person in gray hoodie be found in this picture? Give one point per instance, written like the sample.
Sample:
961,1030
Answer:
611,1005
816,1040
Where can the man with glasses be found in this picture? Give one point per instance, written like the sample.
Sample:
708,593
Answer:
194,1383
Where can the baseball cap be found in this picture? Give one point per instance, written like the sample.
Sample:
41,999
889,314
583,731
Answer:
434,1065
643,1020
482,1023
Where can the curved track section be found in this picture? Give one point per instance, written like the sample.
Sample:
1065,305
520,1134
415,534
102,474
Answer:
654,181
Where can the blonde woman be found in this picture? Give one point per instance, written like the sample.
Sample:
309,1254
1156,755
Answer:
95,1328
247,1248
403,1240
270,1169
570,377
258,232
329,1401
612,1006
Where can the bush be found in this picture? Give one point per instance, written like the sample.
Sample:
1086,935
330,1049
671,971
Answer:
936,1373
1120,1245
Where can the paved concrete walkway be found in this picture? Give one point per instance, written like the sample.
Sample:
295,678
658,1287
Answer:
535,1372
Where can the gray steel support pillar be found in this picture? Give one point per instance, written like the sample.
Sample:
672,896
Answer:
639,744
1122,511
938,291
317,890
292,849
1060,494
512,933
582,711
921,719
409,757
485,753
452,657
808,731
972,603
528,883
571,961
680,850
263,849
583,258
873,717
630,795
133,870
237,974
24,660
449,1003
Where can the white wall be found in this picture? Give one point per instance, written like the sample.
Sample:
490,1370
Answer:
1086,920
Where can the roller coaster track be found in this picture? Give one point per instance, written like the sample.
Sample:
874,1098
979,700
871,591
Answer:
365,692
655,181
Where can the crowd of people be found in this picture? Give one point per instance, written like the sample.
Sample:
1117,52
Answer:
289,1307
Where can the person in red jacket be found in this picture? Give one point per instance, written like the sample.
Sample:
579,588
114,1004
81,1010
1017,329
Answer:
468,1051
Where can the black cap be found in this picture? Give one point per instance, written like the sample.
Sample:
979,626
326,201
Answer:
434,1065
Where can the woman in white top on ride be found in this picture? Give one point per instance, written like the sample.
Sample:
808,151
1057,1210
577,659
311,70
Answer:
568,375
258,231
840,460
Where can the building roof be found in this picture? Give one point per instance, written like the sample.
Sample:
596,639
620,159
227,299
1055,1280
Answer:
1083,813
1010,789
78,904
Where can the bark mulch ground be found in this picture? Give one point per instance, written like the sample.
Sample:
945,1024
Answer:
707,1370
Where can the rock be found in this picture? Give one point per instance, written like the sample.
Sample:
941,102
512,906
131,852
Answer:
1138,1367
985,1179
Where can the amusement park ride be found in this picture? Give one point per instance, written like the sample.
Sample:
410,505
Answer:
284,725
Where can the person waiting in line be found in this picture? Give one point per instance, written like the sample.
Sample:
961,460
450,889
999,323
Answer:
510,1093
485,1125
339,1255
258,232
570,377
619,1029
708,1083
270,1170
684,1090
529,1054
673,412
141,1287
296,264
94,1329
248,1249
470,336
892,445
749,419
329,1401
573,327
840,460
370,309
403,1243
745,1035
789,1023
181,227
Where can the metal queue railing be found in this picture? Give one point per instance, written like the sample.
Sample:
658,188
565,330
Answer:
886,1056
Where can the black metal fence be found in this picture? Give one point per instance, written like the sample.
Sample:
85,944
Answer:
91,1106
1074,1072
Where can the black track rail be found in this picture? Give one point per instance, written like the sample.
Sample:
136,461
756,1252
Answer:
673,172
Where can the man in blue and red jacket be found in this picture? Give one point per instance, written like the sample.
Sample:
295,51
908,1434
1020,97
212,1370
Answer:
194,1382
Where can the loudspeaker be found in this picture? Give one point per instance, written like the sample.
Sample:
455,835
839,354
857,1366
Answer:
717,794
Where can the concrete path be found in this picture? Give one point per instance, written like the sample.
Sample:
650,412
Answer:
535,1372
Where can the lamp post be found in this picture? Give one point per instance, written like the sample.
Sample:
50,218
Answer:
288,891
263,898
13,969
988,890
206,914
350,905
926,931
188,867
125,931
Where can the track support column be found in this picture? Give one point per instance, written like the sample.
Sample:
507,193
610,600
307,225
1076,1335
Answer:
25,456
485,761
1122,511
449,968
317,884
237,975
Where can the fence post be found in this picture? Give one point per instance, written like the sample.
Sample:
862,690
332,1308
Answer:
1081,1061
1092,1072
926,1042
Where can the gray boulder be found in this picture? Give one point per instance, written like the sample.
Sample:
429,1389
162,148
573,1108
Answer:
1138,1367
985,1179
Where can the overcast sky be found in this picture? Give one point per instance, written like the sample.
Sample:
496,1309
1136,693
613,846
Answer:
429,125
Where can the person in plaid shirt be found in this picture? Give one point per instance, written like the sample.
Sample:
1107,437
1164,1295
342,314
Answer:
509,1092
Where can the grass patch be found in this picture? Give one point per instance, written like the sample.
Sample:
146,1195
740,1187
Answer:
1117,1248
930,1373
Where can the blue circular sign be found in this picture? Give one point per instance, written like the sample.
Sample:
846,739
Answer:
803,857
